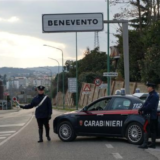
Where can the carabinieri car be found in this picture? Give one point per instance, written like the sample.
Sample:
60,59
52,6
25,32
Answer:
113,116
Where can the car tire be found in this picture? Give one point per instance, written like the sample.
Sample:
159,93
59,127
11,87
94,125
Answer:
134,133
66,132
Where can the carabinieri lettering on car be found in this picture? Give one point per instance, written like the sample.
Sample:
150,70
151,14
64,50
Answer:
103,123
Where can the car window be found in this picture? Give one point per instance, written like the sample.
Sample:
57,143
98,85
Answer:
120,104
99,105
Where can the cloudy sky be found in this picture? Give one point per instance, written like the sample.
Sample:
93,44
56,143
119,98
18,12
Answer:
22,40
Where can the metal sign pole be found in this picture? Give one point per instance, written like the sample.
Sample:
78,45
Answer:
63,83
126,56
76,75
108,58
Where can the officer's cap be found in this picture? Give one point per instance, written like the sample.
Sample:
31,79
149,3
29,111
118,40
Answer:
149,84
41,88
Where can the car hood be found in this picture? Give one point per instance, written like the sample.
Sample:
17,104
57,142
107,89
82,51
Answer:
73,112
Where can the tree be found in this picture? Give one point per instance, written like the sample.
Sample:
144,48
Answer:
150,66
94,61
141,13
136,54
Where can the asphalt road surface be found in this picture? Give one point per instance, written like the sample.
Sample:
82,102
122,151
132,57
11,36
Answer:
19,135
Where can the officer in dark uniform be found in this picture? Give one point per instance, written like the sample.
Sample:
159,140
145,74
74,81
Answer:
149,110
43,112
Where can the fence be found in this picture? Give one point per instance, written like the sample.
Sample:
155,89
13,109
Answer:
96,92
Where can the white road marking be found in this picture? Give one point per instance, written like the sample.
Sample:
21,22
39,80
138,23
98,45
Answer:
117,156
109,146
16,132
7,132
2,137
13,125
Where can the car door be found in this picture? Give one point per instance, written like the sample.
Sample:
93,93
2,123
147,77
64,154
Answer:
91,120
117,112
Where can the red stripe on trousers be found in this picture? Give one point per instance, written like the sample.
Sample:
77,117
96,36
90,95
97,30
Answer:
145,126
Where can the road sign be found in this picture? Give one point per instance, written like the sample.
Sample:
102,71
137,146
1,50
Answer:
73,22
87,89
97,81
72,85
14,99
102,86
110,74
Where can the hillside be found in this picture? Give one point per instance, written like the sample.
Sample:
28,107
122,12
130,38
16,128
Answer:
27,71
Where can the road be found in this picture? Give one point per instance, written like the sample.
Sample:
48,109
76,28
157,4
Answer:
19,135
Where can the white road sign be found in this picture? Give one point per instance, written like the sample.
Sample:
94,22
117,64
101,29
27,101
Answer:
73,22
97,81
110,74
102,86
86,89
72,85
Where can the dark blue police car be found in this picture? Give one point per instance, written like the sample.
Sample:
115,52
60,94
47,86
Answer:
114,116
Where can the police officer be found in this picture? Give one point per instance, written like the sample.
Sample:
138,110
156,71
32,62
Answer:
149,110
43,111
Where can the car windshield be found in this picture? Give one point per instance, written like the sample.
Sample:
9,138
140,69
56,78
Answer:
143,98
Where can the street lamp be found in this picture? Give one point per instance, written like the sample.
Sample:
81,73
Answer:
57,78
48,79
62,67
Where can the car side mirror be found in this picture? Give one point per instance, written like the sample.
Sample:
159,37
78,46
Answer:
85,109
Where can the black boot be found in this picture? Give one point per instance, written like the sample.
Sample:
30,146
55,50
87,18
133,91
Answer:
40,136
47,134
145,142
48,138
153,144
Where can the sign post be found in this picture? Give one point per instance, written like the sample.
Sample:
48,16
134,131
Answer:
72,85
72,22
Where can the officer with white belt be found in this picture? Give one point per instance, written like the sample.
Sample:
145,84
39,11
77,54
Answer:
43,111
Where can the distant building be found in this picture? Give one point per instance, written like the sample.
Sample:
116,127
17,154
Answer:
23,81
46,81
12,84
17,83
37,82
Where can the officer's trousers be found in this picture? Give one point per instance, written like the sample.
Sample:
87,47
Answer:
45,122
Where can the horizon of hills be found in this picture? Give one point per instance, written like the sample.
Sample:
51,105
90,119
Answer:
29,70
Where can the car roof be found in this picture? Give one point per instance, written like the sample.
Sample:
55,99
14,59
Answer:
140,95
125,96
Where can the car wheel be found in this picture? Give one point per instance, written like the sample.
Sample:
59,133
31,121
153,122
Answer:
66,132
134,133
